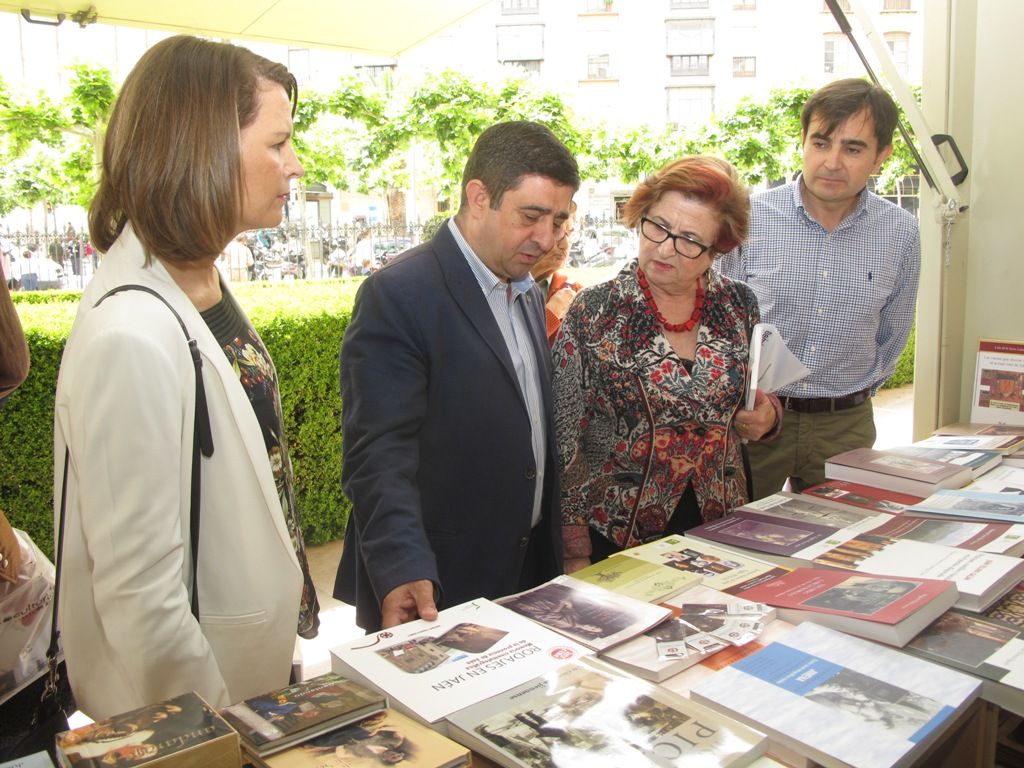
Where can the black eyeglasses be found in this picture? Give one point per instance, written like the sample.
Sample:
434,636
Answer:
684,244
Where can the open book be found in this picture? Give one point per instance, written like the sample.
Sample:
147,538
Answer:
771,365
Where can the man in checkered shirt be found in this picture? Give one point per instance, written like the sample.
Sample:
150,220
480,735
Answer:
835,268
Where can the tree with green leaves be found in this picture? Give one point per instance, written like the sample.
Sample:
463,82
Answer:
50,151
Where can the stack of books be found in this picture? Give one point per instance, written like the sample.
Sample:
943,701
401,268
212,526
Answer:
895,471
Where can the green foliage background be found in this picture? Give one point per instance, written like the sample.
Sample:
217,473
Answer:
302,325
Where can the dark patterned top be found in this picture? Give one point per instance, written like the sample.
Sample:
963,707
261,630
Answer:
633,426
249,357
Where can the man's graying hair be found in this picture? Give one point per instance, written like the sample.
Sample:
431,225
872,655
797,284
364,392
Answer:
838,101
506,152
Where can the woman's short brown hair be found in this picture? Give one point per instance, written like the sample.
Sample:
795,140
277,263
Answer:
171,157
710,180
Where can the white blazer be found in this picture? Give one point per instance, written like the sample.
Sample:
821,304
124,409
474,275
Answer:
125,403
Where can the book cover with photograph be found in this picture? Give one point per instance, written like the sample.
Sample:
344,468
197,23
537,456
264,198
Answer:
998,396
886,609
867,497
981,577
979,462
818,510
429,669
592,616
636,578
181,732
277,719
587,713
841,700
962,504
381,739
1001,538
718,568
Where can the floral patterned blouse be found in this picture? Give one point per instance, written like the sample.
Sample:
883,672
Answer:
251,361
635,428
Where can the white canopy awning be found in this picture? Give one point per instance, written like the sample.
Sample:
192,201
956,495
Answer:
379,27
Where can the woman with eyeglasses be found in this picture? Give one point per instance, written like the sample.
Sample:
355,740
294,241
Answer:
649,373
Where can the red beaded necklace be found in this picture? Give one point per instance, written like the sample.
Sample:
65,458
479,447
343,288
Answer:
698,303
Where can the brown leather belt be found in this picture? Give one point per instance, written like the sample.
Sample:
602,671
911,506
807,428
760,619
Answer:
825,404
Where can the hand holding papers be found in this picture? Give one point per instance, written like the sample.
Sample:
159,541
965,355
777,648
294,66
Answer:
771,365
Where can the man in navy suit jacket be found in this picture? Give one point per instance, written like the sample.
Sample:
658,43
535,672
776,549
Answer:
445,381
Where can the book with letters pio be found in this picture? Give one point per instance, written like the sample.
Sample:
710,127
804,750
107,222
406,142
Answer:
473,650
181,732
896,471
963,504
887,609
383,738
592,616
278,719
841,700
588,713
636,578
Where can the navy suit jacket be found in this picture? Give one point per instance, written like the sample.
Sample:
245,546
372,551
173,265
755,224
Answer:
438,460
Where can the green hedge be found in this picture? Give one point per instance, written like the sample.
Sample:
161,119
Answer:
302,325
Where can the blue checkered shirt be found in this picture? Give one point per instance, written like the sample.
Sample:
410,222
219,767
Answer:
843,300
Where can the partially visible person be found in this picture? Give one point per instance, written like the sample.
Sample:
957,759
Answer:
558,290
239,259
649,373
835,268
362,254
29,268
445,375
181,176
14,359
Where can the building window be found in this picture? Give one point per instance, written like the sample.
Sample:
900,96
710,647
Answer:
844,4
839,54
689,106
686,5
690,37
527,65
744,66
599,67
744,5
899,47
895,5
681,66
375,73
509,7
599,6
521,43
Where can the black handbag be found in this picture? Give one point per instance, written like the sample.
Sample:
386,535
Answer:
50,716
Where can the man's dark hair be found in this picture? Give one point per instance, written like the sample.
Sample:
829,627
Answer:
837,102
506,152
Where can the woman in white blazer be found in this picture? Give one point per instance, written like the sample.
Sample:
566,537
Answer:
198,149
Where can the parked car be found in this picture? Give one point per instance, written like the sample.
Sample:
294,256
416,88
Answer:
601,247
384,249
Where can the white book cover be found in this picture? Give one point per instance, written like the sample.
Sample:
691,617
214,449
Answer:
1006,478
980,577
592,616
771,365
998,396
588,714
966,442
430,669
705,624
840,700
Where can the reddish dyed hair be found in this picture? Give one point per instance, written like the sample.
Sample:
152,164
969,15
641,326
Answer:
709,180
